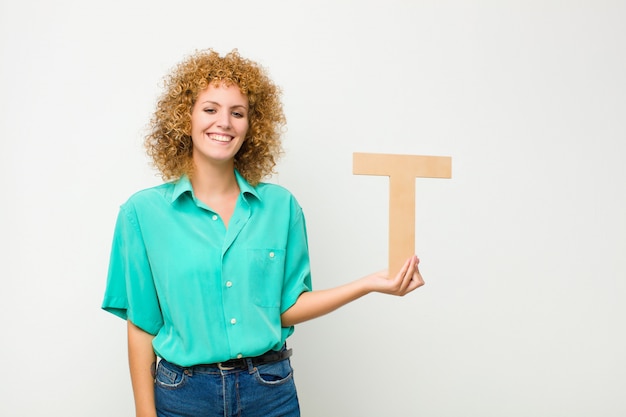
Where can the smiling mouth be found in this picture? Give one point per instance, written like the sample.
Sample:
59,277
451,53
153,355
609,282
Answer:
220,138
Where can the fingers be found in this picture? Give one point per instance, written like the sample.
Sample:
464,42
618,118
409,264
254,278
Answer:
405,281
411,278
404,277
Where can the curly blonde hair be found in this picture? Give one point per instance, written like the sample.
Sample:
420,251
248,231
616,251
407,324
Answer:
169,143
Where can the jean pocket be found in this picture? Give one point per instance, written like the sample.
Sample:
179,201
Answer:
169,376
276,373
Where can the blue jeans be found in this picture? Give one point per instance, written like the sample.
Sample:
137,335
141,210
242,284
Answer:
262,391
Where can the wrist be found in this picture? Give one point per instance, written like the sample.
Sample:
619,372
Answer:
366,284
147,412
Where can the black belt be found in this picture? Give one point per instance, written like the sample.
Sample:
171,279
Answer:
242,363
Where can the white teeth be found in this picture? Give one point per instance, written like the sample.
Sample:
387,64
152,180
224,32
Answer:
220,138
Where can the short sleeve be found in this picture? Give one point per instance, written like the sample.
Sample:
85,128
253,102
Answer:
297,264
130,292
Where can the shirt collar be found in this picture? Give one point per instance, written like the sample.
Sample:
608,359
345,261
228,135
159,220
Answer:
245,187
183,185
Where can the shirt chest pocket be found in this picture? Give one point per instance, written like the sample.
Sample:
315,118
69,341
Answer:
266,273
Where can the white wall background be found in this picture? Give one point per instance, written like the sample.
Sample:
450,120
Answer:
523,250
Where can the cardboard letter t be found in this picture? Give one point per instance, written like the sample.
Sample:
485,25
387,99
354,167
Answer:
401,170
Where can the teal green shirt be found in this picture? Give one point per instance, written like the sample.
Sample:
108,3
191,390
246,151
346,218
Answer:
208,293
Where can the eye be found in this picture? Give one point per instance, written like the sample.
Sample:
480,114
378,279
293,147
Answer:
238,115
209,110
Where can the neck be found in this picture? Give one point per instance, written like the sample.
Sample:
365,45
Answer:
211,180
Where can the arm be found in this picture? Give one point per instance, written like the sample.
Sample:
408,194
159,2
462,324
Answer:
141,359
317,303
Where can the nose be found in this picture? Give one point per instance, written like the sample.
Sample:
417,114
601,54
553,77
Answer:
223,121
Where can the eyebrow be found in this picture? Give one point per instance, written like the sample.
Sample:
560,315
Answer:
243,106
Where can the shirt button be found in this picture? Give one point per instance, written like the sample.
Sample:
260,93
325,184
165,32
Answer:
271,254
233,321
229,284
239,356
214,217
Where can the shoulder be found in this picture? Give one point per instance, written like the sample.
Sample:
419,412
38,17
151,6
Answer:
279,204
279,201
151,196
273,192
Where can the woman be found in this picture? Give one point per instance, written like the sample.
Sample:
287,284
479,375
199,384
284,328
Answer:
211,269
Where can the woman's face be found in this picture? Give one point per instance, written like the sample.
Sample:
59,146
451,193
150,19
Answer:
219,123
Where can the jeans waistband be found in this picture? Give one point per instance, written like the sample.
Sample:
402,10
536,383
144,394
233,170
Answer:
239,363
242,363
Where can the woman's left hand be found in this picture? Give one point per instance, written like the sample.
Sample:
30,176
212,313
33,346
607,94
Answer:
407,280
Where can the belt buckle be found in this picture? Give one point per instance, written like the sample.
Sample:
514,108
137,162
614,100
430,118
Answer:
225,368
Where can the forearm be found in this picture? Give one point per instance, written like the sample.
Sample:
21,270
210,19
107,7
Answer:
141,360
314,304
